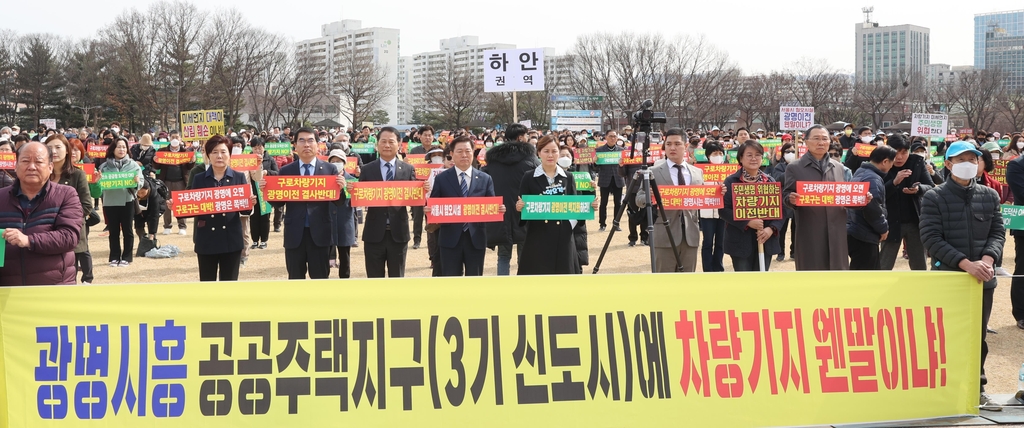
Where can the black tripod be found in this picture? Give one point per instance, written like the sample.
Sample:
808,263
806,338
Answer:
650,188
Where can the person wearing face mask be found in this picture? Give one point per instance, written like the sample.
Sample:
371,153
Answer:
712,227
259,222
742,238
566,160
962,227
425,136
864,137
867,227
778,173
119,204
920,149
143,153
905,183
506,164
847,140
438,156
175,178
1014,149
344,222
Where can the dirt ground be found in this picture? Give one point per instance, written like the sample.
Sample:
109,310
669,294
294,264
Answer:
1006,348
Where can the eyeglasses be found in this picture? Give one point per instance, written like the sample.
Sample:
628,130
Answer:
818,138
835,155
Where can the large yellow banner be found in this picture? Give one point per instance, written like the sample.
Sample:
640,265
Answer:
729,349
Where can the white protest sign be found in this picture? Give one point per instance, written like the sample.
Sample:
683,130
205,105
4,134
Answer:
49,123
526,123
929,125
508,70
795,118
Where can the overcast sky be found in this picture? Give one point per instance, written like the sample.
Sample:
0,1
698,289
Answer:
759,35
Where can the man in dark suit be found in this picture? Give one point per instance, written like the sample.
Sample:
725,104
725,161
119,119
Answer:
1015,179
309,228
463,245
609,179
386,229
425,136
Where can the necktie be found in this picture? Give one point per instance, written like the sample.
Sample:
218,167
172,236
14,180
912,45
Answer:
307,169
465,192
390,175
679,175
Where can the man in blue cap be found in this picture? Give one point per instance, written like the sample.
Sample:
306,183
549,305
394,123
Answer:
962,227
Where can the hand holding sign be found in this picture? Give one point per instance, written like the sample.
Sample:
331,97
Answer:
16,238
520,204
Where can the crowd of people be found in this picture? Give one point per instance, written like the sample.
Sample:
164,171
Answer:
948,210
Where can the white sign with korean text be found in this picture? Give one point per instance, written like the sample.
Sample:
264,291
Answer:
929,125
509,70
49,123
795,118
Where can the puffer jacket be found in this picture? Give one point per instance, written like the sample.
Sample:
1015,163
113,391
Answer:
579,237
959,223
507,164
868,224
78,181
53,227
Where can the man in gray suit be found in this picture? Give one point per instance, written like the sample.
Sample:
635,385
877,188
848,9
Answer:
673,171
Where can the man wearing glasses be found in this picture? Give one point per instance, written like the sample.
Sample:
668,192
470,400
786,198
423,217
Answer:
820,231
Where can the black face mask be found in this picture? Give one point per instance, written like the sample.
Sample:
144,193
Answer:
108,141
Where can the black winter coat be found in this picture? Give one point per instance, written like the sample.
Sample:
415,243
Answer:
959,223
901,207
868,224
507,164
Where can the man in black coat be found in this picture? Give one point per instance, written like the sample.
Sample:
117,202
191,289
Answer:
905,183
308,226
609,179
1015,179
507,164
425,135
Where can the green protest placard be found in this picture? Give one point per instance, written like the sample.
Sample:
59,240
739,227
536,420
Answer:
939,161
363,148
265,207
278,149
413,145
199,157
608,158
1004,142
3,249
118,180
161,144
558,207
583,181
1013,217
933,151
698,155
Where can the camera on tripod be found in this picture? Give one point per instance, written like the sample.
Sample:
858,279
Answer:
644,117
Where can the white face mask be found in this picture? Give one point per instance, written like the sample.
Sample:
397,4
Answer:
436,160
175,143
991,138
115,129
488,144
339,165
195,144
1020,145
965,170
717,159
789,157
499,141
866,139
162,140
236,150
564,162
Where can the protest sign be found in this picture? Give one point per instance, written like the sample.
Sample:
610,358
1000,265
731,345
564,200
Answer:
691,197
585,155
200,125
161,144
999,173
608,158
278,149
752,201
1013,217
637,159
3,250
118,180
49,123
413,145
464,210
928,125
363,148
510,70
831,194
265,207
97,151
583,181
216,200
423,171
89,169
558,207
8,160
417,159
301,188
717,173
938,161
351,163
244,163
173,158
388,194
863,150
795,118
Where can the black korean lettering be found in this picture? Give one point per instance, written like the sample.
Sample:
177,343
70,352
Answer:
598,376
567,390
435,396
292,387
215,397
292,332
628,364
646,342
336,387
408,377
478,330
362,331
252,364
337,344
530,394
453,330
499,396
215,366
254,396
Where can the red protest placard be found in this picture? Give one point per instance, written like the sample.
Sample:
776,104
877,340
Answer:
691,197
297,188
245,163
215,200
752,201
416,159
999,173
174,158
423,171
801,150
351,163
90,171
863,150
464,210
388,194
717,173
97,151
8,160
831,194
585,155
637,159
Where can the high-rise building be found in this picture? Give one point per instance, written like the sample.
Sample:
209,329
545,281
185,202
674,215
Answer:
890,52
462,53
999,42
347,39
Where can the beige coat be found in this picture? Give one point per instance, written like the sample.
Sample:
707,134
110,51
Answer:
677,218
820,242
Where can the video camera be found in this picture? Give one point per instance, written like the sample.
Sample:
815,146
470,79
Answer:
644,116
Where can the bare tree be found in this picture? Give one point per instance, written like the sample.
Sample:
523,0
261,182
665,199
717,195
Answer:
9,49
880,97
1011,107
130,51
707,81
237,55
453,94
184,44
303,83
820,86
85,74
767,93
360,82
266,92
974,93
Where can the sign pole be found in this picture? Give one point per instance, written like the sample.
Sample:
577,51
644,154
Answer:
760,256
515,107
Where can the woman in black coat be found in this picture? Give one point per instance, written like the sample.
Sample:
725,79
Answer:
741,237
550,247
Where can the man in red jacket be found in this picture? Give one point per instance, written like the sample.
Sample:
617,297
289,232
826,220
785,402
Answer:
41,220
